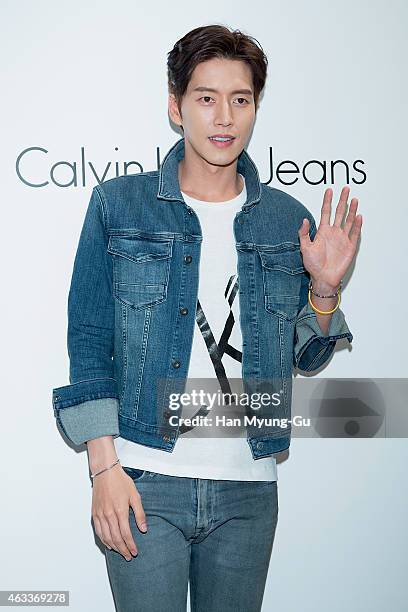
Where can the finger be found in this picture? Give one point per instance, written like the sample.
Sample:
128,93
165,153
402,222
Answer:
341,206
126,533
106,533
117,539
356,229
140,515
351,216
326,207
98,531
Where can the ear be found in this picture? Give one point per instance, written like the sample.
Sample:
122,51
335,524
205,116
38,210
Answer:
173,110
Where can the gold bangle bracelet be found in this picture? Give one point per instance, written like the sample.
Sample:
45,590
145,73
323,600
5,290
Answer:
324,311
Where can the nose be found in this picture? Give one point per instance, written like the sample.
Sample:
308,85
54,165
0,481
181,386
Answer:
224,114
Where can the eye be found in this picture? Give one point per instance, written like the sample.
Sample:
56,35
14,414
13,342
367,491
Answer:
243,103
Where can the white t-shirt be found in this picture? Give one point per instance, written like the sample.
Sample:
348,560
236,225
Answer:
225,458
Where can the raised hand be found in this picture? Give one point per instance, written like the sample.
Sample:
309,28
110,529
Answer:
329,255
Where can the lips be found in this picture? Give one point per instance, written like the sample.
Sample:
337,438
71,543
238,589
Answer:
222,137
221,141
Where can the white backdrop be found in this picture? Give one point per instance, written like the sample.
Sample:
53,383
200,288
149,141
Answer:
92,75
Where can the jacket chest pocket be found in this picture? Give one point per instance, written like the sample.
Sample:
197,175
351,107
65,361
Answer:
140,270
282,276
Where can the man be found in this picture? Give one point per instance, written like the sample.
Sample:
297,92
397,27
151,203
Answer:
196,270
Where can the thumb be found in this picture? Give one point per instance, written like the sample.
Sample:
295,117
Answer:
140,516
303,233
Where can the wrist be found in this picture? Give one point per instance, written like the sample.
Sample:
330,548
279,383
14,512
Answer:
321,286
101,452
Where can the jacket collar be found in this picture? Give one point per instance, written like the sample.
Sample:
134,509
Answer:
169,187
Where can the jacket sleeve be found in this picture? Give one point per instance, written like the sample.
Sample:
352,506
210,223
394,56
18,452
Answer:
312,348
87,408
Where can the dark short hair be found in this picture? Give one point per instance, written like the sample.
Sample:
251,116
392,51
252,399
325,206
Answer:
206,42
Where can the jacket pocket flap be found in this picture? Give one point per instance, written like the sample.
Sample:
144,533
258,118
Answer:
139,249
286,261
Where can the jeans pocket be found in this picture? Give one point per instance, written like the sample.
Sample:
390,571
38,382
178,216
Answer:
134,473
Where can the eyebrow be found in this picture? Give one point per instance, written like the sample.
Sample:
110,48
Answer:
236,91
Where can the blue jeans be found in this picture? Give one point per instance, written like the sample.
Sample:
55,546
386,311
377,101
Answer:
215,534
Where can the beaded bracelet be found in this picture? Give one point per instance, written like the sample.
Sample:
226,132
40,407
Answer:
325,296
324,311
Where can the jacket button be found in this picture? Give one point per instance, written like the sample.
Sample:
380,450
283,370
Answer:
184,311
241,220
176,364
166,437
167,413
188,259
259,445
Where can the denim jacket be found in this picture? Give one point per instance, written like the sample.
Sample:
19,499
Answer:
132,305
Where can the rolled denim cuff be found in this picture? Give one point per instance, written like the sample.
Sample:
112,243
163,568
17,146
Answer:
87,409
89,420
82,391
312,347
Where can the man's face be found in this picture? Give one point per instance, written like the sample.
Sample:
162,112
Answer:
219,101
